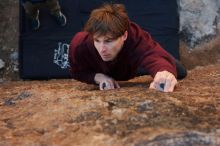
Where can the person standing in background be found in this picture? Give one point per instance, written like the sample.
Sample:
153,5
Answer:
32,9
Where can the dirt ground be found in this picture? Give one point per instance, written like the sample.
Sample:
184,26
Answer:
67,112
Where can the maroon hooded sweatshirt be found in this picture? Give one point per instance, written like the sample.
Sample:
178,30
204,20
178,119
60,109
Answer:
139,50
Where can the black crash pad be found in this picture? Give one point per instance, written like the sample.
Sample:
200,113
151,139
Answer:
43,54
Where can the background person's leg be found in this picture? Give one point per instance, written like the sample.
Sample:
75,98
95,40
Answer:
55,10
54,7
32,12
30,9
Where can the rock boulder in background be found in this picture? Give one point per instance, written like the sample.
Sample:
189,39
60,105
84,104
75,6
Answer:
199,20
199,32
2,64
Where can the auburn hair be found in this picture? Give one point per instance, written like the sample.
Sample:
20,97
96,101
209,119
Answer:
109,19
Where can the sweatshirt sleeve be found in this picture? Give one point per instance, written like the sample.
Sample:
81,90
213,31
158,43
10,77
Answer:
78,59
150,55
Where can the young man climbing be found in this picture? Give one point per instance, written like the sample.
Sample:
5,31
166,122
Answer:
112,48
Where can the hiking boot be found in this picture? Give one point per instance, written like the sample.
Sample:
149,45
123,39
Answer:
60,19
35,23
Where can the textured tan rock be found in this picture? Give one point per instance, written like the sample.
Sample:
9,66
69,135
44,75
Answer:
67,112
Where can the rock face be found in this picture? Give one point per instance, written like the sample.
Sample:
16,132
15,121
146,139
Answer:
199,20
67,112
9,34
2,64
199,32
